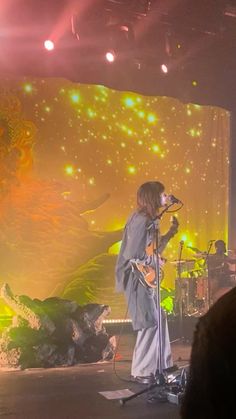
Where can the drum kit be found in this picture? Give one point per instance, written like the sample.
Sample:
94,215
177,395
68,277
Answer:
193,295
191,288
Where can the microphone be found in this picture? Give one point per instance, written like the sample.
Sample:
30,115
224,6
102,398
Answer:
174,200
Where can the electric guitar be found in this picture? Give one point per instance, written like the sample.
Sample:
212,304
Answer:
147,274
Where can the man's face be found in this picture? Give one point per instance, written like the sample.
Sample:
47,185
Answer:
221,248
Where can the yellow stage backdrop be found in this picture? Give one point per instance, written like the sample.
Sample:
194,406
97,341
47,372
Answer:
71,159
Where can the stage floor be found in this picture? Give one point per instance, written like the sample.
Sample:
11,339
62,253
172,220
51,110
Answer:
73,392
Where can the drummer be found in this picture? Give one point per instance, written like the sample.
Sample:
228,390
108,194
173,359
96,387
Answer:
219,272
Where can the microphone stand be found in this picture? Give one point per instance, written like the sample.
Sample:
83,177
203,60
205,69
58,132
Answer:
205,264
161,379
179,279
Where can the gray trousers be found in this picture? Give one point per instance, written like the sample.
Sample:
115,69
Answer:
146,351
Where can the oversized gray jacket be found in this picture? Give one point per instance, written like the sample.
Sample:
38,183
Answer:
139,232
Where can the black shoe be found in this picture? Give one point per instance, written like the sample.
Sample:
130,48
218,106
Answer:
150,379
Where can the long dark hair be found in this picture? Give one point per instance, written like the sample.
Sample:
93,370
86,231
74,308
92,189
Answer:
149,198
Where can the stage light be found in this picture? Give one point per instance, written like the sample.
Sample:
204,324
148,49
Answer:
119,39
230,10
49,45
110,56
164,68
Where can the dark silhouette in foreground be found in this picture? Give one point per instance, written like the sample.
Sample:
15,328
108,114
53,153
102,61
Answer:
210,392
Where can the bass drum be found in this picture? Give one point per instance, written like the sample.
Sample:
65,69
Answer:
184,295
202,288
201,297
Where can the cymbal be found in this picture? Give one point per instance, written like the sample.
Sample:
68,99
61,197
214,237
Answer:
194,249
176,262
200,255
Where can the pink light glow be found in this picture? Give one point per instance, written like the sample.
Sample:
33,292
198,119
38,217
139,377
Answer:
164,68
49,45
110,56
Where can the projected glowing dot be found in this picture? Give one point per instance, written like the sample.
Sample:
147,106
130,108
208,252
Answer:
151,117
132,170
91,113
184,237
187,170
178,46
49,45
69,170
91,181
47,109
189,112
75,97
129,102
155,148
194,83
140,142
123,145
193,132
28,88
141,114
109,162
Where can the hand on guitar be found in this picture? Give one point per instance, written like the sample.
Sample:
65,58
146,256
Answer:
174,225
148,274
